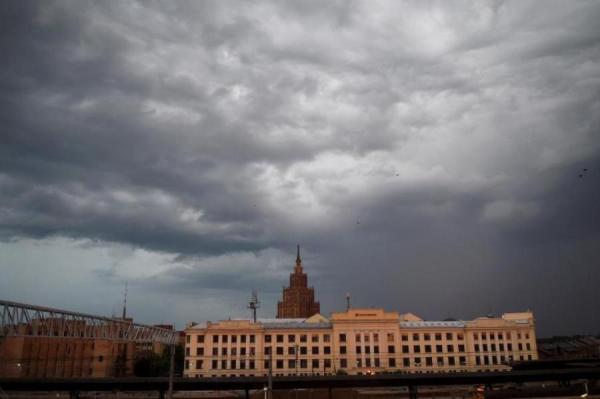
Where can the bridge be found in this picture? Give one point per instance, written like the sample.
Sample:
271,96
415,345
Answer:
246,384
19,320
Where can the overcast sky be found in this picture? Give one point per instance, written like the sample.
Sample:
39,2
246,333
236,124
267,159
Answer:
425,155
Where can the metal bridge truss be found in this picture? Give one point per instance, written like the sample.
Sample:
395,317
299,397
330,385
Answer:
22,320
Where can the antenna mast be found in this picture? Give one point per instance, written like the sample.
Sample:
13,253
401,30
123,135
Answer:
254,304
125,302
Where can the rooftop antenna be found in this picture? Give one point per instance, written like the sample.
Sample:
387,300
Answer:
254,304
347,301
125,302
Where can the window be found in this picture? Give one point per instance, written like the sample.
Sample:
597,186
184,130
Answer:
291,350
508,335
315,350
404,337
428,361
415,336
463,360
224,364
215,339
224,351
343,363
358,349
234,339
252,365
303,350
483,336
450,348
267,365
493,346
214,365
243,339
187,338
251,339
357,337
417,361
404,348
475,336
242,364
449,336
327,350
199,351
509,346
291,364
439,348
315,363
440,361
485,348
358,362
417,349
279,350
518,335
233,351
405,362
492,336
224,339
326,338
342,337
243,351
461,348
427,337
451,361
268,338
438,336
390,337
100,358
233,365
252,353
215,351
367,349
279,338
500,336
368,362
279,364
267,350
520,346
342,350
376,337
392,362
478,360
291,338
314,338
526,335
476,347
367,337
376,349
303,338
303,363
460,336
187,351
528,346
501,347
428,348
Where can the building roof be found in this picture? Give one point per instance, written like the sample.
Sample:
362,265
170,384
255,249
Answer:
429,324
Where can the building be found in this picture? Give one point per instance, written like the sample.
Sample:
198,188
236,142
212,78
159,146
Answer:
57,355
358,341
298,299
569,348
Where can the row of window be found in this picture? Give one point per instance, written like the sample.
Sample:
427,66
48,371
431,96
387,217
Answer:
359,337
315,350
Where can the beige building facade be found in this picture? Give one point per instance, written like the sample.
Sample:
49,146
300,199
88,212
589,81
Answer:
359,341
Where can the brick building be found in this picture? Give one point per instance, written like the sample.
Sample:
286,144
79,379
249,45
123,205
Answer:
298,299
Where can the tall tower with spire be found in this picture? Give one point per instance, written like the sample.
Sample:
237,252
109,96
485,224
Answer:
298,299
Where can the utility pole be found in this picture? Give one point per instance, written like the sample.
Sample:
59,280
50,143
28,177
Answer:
347,301
171,370
270,379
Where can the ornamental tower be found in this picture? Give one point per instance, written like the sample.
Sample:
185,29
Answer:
298,300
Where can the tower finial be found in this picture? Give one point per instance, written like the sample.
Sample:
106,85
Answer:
298,260
125,302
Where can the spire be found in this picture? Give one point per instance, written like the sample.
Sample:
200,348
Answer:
298,260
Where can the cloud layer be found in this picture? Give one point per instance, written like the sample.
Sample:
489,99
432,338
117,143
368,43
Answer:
427,155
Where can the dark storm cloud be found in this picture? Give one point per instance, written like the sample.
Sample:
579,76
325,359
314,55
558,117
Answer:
431,149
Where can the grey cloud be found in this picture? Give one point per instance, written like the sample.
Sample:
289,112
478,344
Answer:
406,145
